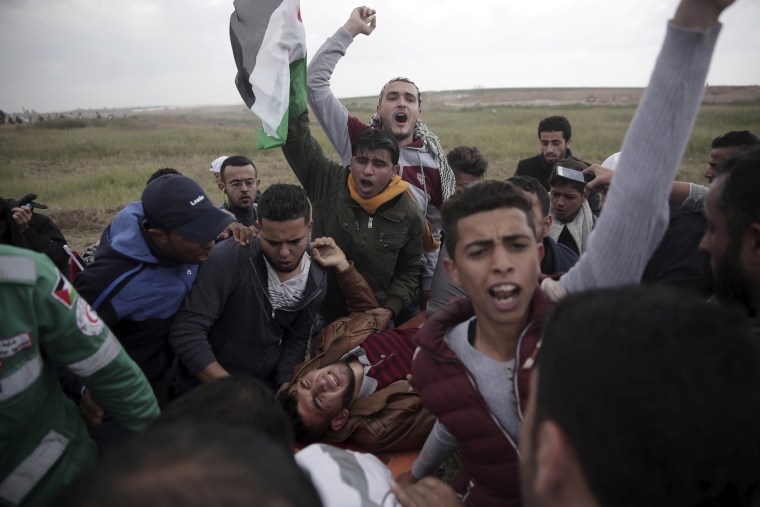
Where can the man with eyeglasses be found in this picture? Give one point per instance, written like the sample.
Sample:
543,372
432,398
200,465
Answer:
240,183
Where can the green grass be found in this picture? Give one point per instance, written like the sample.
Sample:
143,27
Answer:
86,169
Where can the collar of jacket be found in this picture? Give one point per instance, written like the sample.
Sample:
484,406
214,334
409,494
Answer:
315,283
431,335
395,187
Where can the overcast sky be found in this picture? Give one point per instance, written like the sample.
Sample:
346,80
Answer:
61,55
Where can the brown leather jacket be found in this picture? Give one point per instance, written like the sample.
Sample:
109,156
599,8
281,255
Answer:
391,419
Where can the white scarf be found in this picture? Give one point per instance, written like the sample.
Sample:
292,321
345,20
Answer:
580,228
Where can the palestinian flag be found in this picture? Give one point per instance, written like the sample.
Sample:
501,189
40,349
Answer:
269,44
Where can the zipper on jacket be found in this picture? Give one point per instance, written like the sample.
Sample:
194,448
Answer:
493,416
369,224
518,366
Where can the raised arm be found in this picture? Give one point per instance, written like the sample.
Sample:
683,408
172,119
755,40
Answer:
330,113
316,173
356,290
652,150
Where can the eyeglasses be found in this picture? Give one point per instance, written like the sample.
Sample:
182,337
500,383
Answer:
250,183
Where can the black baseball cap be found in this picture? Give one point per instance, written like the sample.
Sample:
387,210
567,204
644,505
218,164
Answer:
175,202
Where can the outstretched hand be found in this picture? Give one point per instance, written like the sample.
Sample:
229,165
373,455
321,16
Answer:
362,20
603,176
240,233
329,255
22,216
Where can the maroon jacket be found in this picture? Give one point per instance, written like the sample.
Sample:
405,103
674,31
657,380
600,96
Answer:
489,456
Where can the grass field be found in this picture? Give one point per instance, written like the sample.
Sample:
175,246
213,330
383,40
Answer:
86,172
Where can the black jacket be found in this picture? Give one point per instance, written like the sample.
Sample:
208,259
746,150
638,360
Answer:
228,317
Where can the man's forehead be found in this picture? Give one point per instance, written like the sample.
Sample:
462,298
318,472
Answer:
283,231
482,226
379,154
565,188
400,87
239,172
551,135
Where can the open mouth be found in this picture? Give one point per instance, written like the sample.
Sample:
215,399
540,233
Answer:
401,117
366,185
334,379
504,293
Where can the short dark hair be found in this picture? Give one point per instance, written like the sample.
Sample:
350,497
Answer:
237,161
533,186
160,172
282,202
657,392
477,198
468,160
735,139
289,404
195,463
570,163
556,124
238,400
738,200
405,80
376,139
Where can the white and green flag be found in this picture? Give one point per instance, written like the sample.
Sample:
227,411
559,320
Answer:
269,44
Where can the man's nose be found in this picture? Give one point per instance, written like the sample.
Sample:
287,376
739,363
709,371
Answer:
502,261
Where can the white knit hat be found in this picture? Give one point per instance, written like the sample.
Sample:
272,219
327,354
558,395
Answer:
216,165
611,162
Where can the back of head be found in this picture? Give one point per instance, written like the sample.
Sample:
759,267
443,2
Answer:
533,186
240,401
556,124
374,140
283,202
468,160
195,464
735,139
477,198
160,172
657,394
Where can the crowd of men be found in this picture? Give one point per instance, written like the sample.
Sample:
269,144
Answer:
578,334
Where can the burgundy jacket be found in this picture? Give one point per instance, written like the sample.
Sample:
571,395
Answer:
489,456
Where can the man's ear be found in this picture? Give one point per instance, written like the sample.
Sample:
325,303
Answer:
157,235
339,420
541,252
450,266
547,225
751,247
554,458
396,169
569,142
